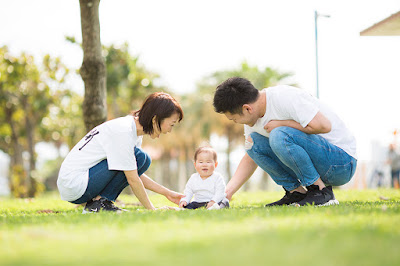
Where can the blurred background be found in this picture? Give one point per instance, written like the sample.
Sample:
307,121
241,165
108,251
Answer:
186,48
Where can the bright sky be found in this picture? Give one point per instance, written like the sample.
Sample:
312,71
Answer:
186,40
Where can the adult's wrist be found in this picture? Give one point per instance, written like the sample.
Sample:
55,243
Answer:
228,194
166,192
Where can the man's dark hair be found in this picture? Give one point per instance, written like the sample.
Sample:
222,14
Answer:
160,105
232,94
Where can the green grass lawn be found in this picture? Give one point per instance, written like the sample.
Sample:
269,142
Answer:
363,230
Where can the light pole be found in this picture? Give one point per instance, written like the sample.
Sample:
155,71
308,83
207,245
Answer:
316,15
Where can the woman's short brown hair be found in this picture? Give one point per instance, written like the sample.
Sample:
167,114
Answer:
160,105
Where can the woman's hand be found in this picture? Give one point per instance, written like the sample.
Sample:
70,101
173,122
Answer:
174,197
165,208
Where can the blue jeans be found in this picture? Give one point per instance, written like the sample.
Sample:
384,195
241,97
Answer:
110,183
293,158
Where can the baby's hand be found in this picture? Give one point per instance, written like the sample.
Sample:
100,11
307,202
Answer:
211,203
182,204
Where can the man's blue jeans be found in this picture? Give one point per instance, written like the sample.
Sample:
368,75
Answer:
110,183
293,158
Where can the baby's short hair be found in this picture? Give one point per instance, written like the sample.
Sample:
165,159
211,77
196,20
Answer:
205,149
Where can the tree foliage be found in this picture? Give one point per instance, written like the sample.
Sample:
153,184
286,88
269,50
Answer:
25,98
128,81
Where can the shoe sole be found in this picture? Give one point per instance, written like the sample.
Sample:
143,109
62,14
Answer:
117,211
331,202
84,211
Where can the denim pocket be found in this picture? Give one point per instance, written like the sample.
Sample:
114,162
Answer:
338,175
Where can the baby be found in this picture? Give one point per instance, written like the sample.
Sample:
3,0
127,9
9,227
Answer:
207,186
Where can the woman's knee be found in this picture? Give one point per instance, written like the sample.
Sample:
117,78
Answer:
143,160
146,163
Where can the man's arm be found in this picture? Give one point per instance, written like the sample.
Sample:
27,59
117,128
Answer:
244,171
319,124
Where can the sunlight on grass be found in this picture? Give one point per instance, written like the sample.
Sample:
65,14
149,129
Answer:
362,230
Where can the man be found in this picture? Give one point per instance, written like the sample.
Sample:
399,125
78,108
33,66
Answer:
292,136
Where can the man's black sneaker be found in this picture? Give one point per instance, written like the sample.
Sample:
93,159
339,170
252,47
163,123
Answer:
316,197
288,199
100,205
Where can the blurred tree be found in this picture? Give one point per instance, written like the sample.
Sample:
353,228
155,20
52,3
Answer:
93,69
25,98
260,78
128,82
62,126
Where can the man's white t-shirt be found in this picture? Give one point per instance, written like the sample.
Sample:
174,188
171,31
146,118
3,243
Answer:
205,190
291,103
114,140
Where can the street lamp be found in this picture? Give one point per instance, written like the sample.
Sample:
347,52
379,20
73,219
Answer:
316,15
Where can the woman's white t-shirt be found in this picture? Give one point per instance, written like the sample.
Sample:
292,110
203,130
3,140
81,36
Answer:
114,140
291,103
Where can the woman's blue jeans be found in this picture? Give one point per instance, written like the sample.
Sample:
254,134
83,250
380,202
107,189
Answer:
293,158
110,183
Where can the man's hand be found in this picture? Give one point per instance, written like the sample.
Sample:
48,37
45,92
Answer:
228,195
182,204
274,124
174,197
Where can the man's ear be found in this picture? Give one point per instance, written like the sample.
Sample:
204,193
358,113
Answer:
216,164
247,108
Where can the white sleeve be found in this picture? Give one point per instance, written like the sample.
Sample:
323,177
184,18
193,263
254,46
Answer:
247,131
139,142
120,152
219,190
188,191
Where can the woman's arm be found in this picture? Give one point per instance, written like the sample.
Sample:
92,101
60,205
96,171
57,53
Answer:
150,184
138,188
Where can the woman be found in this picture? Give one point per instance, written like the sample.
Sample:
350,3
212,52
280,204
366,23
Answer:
109,158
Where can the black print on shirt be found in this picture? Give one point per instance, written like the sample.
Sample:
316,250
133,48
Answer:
89,137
